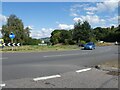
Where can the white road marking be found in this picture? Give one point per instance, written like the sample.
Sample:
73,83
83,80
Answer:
2,85
83,70
47,77
65,55
4,58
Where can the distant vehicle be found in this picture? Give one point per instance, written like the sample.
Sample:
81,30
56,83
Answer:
89,46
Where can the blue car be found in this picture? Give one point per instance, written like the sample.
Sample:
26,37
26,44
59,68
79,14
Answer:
89,46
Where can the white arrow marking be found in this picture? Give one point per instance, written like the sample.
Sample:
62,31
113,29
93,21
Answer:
18,44
8,44
2,85
47,77
3,44
83,70
13,44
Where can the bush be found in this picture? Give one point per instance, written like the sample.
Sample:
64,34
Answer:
93,40
82,42
66,41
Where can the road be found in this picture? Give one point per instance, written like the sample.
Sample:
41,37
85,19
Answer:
34,64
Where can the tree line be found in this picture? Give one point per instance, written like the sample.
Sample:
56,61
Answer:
81,33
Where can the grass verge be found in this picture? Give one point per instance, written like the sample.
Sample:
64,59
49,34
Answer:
36,48
104,44
112,64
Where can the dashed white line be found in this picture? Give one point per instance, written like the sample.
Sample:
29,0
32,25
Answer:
47,77
65,55
83,70
2,85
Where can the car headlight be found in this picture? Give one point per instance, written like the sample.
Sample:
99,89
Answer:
90,46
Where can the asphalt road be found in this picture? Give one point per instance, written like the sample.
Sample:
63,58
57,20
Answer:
29,65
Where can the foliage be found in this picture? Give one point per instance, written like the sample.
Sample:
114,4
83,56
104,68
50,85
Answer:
32,41
107,34
60,36
15,25
22,34
81,31
82,42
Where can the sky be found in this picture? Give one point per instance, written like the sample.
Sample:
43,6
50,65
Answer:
44,17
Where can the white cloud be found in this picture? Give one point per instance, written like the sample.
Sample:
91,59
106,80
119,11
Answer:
115,25
3,18
106,5
65,26
77,19
90,13
30,27
115,18
109,25
91,9
44,32
75,9
92,19
80,5
111,4
73,14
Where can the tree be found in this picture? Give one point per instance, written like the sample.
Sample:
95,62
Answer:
109,34
55,37
81,31
117,33
86,31
101,33
65,35
15,25
77,31
27,36
61,36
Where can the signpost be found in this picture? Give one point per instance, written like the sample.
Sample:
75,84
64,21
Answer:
12,36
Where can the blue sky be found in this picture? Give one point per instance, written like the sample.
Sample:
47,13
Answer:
44,17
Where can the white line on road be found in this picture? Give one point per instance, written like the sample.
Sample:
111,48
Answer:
4,58
47,77
83,70
2,85
65,55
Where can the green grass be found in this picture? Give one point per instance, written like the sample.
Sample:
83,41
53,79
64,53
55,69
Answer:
104,44
36,48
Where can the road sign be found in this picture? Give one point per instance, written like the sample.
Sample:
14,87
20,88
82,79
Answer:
11,44
12,35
